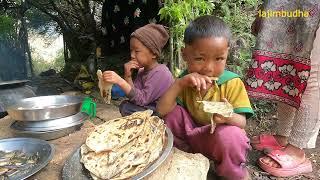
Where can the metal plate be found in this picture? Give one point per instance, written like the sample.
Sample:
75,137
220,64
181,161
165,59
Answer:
48,135
45,107
74,170
49,125
5,83
29,146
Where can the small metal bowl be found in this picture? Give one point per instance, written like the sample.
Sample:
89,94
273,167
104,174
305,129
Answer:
49,125
45,108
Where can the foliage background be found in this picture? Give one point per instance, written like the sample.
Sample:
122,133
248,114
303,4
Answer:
238,14
40,65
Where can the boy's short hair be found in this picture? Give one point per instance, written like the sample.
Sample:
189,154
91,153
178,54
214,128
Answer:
206,26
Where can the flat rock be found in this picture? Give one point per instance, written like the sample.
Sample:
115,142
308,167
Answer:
182,166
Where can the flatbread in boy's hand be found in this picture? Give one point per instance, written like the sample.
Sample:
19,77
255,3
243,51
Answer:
105,88
223,108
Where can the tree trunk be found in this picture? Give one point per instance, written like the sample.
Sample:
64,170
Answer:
180,60
81,49
26,46
23,36
65,49
171,53
78,26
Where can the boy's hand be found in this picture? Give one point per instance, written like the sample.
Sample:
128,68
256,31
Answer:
195,80
129,66
218,118
111,77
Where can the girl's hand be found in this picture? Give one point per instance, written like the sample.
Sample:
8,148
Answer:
111,77
129,66
195,80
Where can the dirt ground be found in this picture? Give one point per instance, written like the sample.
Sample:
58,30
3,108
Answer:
56,85
255,128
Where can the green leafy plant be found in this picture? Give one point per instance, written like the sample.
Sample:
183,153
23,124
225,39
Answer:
239,15
7,28
59,62
177,14
41,65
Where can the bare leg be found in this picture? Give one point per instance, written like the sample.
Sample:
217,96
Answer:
286,115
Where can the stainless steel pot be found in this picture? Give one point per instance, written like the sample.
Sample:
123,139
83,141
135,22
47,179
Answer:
11,92
14,82
48,135
45,108
49,125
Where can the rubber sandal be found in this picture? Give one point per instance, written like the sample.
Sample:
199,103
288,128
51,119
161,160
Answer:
288,165
267,142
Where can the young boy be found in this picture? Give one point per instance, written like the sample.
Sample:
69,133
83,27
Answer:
207,41
152,80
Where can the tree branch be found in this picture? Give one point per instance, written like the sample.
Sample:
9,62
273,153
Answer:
42,8
64,19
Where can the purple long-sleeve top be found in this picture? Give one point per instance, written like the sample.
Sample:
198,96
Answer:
150,85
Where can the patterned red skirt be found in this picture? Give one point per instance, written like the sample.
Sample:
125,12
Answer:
280,64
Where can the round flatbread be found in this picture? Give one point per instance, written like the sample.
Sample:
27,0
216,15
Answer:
134,148
116,133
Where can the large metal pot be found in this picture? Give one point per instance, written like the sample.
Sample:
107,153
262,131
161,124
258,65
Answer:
50,125
49,135
45,108
11,92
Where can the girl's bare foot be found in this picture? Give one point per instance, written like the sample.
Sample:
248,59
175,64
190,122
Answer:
282,140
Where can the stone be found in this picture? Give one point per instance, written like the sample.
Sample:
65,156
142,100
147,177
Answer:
107,112
182,166
49,72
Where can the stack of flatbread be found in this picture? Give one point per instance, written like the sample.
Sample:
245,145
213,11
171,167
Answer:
123,147
223,108
105,88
